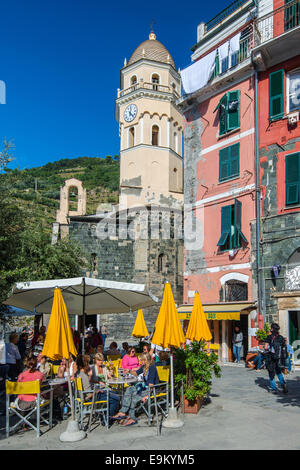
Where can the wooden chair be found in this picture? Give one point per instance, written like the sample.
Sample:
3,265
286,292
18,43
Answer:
41,406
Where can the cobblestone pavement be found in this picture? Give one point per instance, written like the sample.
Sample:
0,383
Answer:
241,415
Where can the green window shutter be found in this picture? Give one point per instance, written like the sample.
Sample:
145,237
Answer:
276,94
224,169
225,225
229,162
223,115
235,159
233,115
238,234
292,174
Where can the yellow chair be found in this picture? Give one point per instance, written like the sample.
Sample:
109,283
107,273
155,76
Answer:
54,370
163,373
113,357
41,406
83,406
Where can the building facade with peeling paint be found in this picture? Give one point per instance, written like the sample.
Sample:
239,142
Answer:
277,59
219,141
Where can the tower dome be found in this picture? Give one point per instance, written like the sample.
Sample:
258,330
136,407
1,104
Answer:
152,49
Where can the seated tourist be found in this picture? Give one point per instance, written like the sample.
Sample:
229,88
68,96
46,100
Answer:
43,365
138,392
100,373
85,372
26,402
146,348
124,349
130,361
164,358
113,349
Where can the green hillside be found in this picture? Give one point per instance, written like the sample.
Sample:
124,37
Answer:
38,189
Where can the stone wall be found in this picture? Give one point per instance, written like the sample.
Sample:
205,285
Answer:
131,260
280,233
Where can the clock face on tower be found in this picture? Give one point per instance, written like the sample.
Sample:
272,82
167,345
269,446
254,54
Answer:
130,112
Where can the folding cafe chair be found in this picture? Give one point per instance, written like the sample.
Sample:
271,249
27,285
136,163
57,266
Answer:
158,396
83,406
41,407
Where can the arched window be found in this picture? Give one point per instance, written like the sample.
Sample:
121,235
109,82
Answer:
236,291
131,137
155,135
73,198
176,142
161,265
155,81
133,81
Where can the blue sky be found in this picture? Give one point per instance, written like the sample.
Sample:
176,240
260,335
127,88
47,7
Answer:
61,61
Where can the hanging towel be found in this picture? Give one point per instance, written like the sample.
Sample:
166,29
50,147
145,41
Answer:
223,51
197,75
234,44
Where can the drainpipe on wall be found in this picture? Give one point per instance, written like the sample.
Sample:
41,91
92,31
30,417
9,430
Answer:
261,306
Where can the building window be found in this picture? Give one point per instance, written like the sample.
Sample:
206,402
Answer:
291,15
94,262
161,268
276,95
131,137
133,81
293,91
229,162
229,112
155,81
155,135
231,233
292,180
73,198
236,291
176,142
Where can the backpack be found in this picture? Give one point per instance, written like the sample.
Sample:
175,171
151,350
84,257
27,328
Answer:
278,349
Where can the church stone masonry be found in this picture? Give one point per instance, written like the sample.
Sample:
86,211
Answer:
151,182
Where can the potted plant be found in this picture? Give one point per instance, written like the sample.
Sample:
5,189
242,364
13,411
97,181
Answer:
261,334
195,367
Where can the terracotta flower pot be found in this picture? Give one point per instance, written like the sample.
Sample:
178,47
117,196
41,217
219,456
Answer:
193,406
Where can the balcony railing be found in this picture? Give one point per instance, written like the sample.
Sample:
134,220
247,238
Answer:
148,86
277,22
223,14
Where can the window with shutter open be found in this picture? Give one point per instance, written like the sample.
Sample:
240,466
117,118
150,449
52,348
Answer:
276,94
229,112
231,227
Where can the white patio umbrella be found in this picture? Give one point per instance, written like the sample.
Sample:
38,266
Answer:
82,295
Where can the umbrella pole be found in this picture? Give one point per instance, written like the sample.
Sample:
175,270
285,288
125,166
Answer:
70,390
172,420
83,317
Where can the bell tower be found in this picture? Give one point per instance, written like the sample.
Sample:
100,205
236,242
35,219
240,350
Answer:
150,126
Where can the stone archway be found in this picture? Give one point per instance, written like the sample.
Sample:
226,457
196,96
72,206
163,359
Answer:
64,209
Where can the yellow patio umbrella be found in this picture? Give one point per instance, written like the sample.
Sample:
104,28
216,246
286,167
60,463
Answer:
198,328
59,338
59,342
140,329
168,333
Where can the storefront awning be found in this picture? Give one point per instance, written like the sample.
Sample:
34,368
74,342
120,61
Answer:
228,311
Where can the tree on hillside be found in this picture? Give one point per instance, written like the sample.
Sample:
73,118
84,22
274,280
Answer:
6,153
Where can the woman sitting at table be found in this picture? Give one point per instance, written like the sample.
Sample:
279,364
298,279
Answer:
100,373
139,392
85,372
130,361
43,365
26,402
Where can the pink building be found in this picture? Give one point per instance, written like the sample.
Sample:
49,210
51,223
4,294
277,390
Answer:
220,174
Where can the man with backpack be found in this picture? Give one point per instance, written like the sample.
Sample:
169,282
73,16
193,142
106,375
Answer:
275,358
